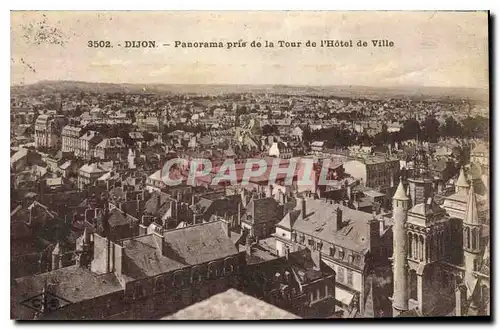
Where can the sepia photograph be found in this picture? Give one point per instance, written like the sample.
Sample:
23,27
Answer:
250,165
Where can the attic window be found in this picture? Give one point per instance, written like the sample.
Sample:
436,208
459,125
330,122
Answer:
332,251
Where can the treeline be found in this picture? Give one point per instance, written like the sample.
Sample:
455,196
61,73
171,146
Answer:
430,130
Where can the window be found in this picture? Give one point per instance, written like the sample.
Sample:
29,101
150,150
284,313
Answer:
159,284
302,238
294,237
320,245
320,293
310,242
332,251
351,258
349,277
340,275
341,254
476,265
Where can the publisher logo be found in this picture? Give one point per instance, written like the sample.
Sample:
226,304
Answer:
45,302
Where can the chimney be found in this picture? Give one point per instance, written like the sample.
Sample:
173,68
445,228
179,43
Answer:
460,300
248,245
143,226
381,225
316,258
226,227
239,214
374,236
89,215
303,208
288,277
339,218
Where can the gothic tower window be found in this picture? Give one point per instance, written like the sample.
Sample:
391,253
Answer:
467,230
474,238
410,241
421,250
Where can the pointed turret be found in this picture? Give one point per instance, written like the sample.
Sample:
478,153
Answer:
472,234
400,192
462,182
471,214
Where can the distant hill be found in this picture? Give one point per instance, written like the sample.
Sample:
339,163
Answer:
339,91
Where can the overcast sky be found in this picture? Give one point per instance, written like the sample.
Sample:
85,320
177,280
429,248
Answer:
446,49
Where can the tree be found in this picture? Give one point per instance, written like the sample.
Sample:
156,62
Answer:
452,128
148,137
430,129
410,129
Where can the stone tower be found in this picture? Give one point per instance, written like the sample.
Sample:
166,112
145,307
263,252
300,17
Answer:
420,185
472,234
400,215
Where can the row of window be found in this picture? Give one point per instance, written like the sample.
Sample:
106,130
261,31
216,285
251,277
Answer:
321,292
181,279
334,251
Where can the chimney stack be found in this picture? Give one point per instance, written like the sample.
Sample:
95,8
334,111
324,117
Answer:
303,208
248,245
460,299
339,218
239,214
226,227
288,277
381,225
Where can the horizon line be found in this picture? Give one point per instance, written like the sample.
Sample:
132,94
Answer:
248,84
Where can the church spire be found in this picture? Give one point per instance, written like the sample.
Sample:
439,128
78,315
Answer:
471,214
462,182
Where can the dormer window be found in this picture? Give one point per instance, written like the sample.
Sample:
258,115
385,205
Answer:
332,251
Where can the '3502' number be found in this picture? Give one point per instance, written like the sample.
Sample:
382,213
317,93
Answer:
98,44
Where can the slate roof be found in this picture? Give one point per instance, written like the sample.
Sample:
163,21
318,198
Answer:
143,258
231,305
321,223
263,210
158,204
73,283
199,244
118,218
289,220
